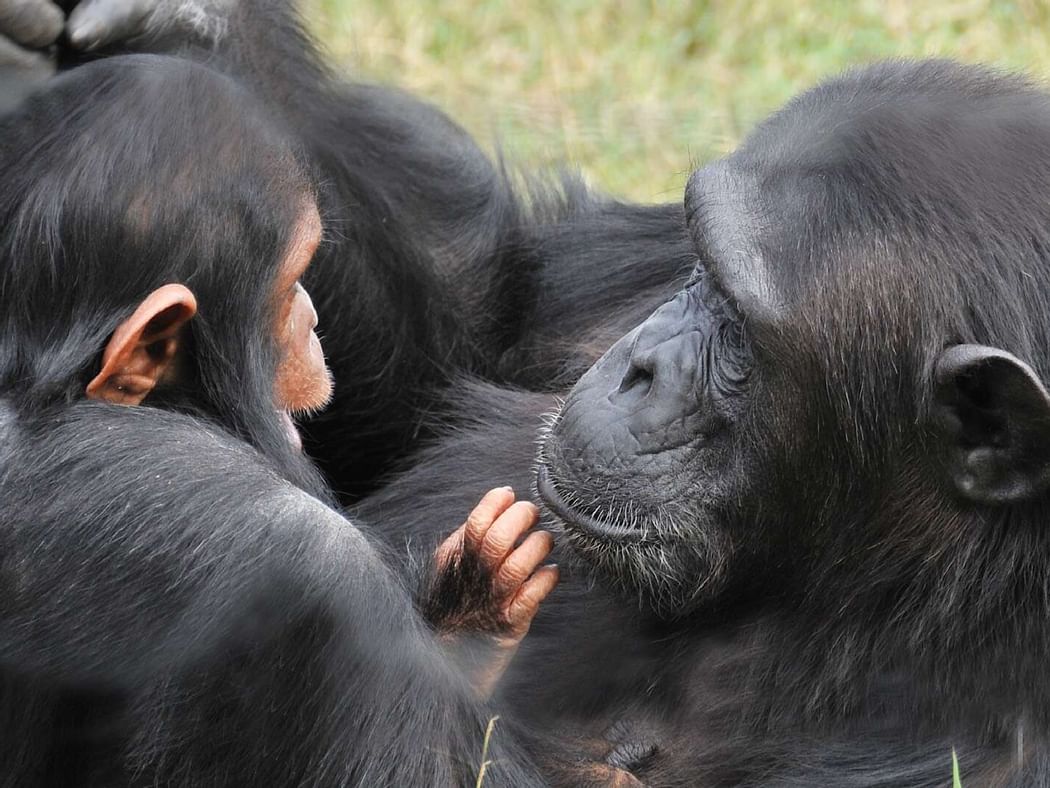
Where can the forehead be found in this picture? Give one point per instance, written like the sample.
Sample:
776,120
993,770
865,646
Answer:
766,232
856,182
306,236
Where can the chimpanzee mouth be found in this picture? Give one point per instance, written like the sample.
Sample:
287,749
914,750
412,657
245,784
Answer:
579,521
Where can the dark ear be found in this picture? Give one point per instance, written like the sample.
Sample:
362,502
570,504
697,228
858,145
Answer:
143,347
994,415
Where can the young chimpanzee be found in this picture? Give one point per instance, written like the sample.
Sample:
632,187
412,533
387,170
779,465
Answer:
436,264
178,604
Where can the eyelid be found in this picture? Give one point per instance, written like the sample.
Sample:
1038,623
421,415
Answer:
713,296
698,274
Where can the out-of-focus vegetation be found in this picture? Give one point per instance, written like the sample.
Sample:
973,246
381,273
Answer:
637,93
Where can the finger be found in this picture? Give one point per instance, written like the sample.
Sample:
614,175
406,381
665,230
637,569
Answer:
523,562
451,547
491,506
12,56
505,532
31,23
526,602
95,23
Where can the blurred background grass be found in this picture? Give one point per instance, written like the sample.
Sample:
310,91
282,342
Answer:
637,93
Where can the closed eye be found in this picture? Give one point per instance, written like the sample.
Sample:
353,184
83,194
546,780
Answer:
719,303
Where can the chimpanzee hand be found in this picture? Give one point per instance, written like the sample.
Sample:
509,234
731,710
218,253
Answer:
145,23
484,592
27,26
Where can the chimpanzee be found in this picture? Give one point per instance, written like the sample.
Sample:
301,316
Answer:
434,263
802,505
807,490
178,603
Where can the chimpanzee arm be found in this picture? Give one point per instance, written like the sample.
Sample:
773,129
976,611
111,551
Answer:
249,629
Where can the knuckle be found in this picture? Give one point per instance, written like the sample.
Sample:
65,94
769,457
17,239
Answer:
499,537
478,520
491,553
516,611
513,575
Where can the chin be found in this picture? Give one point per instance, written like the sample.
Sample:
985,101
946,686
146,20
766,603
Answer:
321,396
311,398
672,564
305,405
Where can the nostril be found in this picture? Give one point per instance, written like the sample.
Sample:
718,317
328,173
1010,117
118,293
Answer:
637,376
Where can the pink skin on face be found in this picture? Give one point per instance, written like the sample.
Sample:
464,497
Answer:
303,383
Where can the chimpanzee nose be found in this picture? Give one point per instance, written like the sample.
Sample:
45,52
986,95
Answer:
638,377
655,353
645,392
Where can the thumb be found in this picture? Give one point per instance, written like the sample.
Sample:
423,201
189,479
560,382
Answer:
96,23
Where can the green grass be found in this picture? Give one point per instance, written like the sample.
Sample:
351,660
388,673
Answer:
637,93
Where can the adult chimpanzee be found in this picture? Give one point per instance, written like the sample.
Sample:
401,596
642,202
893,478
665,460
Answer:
434,264
811,490
176,607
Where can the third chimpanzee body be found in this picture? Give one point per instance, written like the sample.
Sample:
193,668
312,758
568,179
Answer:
803,505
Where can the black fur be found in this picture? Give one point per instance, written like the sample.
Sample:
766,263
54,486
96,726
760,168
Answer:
874,605
435,264
179,606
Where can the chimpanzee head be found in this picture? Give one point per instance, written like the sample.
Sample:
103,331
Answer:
154,223
851,380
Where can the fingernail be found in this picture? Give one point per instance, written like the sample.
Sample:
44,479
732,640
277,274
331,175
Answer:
85,36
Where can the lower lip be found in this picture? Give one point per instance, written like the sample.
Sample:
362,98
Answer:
578,521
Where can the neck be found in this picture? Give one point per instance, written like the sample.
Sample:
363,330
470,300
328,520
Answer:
941,626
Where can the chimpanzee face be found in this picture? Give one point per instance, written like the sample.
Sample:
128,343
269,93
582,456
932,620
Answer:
645,463
640,462
303,383
667,463
856,365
